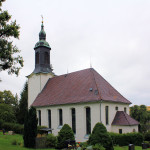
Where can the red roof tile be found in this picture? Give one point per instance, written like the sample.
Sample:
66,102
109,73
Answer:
122,118
75,88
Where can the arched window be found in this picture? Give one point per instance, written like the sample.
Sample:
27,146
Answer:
39,114
107,115
125,109
37,57
49,118
60,117
73,115
88,120
46,58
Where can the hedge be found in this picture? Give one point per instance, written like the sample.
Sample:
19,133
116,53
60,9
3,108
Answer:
17,128
126,139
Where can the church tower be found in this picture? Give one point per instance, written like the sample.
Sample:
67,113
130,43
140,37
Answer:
43,70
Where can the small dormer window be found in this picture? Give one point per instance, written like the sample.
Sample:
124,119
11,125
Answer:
116,108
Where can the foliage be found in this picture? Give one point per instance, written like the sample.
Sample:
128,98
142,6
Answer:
30,128
126,139
147,136
23,105
7,113
65,134
98,147
100,136
51,141
140,113
9,60
17,128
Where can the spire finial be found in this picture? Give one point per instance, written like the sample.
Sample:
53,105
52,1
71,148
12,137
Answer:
42,18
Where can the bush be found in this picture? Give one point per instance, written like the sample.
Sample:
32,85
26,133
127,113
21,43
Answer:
128,138
17,128
65,134
98,147
147,136
100,136
51,141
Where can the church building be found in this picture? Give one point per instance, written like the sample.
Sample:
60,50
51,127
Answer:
80,99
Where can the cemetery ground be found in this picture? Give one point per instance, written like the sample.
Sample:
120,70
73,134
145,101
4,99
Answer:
15,142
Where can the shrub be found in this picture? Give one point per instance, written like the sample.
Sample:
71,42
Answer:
51,141
128,138
100,136
65,134
17,128
147,136
98,147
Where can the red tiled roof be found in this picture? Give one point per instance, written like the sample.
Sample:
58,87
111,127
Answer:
75,88
122,118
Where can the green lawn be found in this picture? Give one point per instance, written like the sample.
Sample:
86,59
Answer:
6,143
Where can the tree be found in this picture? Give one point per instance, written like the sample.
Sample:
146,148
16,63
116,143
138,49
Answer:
100,136
9,29
7,113
23,104
30,128
65,133
140,113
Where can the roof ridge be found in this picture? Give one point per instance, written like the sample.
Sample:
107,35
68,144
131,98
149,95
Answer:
126,117
95,83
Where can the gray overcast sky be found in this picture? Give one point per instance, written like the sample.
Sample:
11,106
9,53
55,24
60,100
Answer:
114,34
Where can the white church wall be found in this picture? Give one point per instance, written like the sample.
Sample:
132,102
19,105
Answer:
125,129
112,112
80,116
36,82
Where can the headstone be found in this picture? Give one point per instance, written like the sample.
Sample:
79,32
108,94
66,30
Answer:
10,132
131,146
144,146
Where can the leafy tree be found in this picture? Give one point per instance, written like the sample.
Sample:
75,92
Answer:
65,133
23,104
30,128
9,29
7,113
100,136
140,113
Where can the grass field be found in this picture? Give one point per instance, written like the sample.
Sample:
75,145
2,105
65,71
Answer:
6,143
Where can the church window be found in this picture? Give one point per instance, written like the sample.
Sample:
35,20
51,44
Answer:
60,117
88,120
73,114
39,114
120,131
125,109
37,58
107,114
116,107
49,118
46,58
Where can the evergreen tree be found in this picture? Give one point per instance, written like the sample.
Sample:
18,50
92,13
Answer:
9,29
65,133
23,104
100,136
30,128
